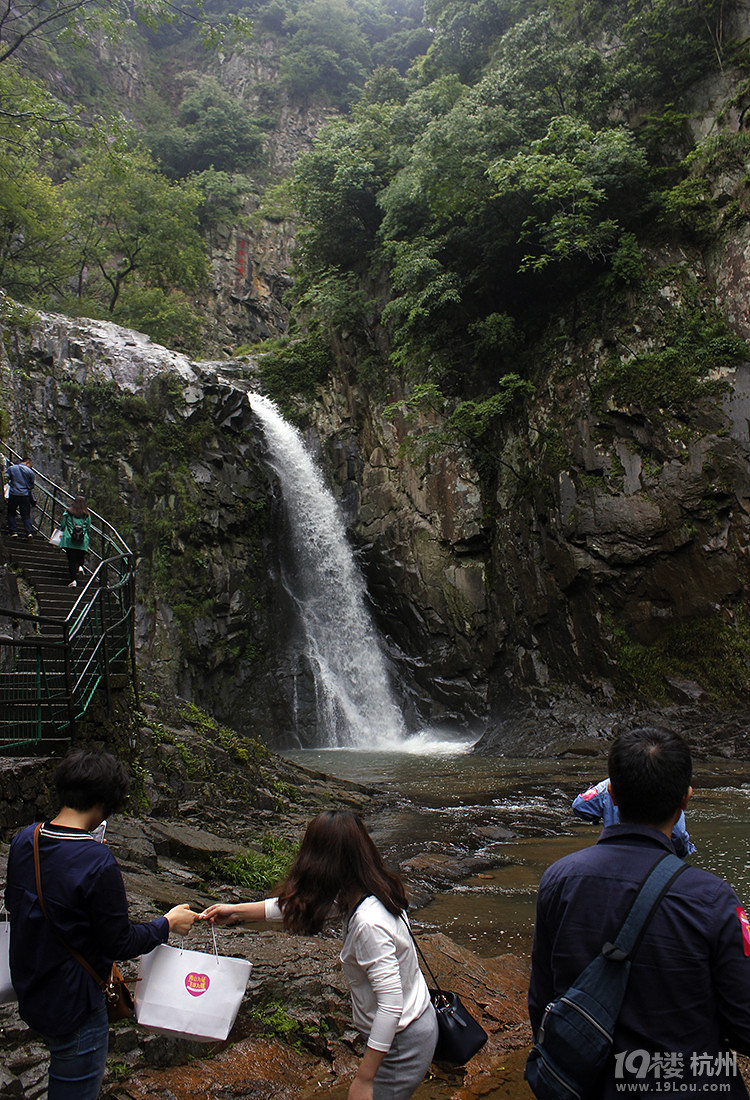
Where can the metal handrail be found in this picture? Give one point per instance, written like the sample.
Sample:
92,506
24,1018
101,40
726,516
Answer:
51,668
59,498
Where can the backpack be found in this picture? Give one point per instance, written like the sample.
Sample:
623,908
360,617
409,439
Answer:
574,1041
78,532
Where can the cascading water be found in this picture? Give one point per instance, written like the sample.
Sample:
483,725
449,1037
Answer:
353,699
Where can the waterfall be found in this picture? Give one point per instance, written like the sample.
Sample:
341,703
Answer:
353,700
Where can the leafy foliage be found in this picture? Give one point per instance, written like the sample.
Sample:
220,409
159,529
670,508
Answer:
326,51
129,224
34,252
681,369
329,47
212,130
573,181
294,366
496,158
257,870
708,651
25,20
493,185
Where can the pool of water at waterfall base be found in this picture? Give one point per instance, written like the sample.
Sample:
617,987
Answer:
516,813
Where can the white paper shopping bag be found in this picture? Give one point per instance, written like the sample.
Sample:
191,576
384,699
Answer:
7,992
190,994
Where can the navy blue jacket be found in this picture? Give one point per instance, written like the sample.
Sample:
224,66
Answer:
688,998
85,900
21,480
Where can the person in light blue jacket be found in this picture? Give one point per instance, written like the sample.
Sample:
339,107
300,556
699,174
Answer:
595,804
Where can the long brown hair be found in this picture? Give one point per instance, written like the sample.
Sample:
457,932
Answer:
336,854
78,508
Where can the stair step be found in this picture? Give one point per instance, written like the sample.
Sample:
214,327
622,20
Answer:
34,715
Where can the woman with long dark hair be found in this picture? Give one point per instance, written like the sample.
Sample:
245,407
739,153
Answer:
339,871
76,524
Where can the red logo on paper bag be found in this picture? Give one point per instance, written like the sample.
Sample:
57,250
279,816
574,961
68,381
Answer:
197,984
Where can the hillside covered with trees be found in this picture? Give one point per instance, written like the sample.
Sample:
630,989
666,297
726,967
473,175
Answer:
520,232
490,162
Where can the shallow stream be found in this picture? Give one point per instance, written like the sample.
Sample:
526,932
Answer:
516,812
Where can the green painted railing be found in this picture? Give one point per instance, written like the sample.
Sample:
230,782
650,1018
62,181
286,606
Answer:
51,668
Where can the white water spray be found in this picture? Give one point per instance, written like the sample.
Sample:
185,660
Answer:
354,703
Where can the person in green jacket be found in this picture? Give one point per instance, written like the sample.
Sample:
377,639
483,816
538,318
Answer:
76,523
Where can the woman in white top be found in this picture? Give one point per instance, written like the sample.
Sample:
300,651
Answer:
339,869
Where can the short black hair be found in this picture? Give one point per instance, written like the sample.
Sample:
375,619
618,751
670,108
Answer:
86,778
650,770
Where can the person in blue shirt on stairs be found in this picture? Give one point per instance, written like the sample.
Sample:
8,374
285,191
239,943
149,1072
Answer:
20,477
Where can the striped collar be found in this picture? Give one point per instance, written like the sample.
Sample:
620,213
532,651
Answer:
63,832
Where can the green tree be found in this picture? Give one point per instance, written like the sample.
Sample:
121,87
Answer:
326,52
131,223
212,129
576,187
24,20
34,245
465,34
336,188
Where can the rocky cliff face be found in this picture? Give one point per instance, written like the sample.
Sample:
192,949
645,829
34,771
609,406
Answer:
250,260
425,545
167,452
248,281
611,543
603,530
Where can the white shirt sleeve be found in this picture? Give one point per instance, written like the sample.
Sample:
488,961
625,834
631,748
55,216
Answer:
375,951
272,909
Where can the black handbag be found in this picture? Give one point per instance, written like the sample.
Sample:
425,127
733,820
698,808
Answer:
460,1036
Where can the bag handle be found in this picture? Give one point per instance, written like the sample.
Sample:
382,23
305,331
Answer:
215,944
104,986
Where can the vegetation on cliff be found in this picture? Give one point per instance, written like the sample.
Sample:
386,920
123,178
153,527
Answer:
492,163
511,201
536,151
122,151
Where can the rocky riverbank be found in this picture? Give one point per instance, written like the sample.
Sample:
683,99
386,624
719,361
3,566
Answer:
208,807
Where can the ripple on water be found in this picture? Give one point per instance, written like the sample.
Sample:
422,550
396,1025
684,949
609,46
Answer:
446,801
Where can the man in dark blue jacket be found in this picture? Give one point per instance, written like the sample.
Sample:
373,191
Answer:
86,911
687,1005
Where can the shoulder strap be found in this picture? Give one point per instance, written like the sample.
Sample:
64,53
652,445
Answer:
419,952
653,888
99,981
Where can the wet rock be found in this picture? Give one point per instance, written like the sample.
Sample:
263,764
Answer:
181,840
433,869
303,974
495,832
685,691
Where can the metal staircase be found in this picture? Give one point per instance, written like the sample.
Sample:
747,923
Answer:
69,643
